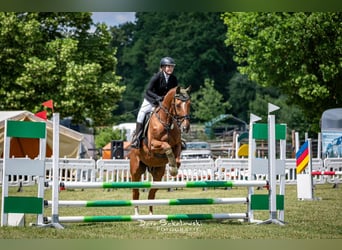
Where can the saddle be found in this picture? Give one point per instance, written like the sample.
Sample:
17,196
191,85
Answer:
144,137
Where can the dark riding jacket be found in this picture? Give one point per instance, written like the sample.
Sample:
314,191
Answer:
158,88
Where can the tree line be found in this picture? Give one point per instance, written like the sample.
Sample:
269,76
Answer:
235,62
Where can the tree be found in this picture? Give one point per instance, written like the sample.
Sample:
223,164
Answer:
300,53
241,92
105,135
53,56
208,103
194,39
291,115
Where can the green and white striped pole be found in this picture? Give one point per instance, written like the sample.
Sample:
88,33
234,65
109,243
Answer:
159,202
181,184
117,218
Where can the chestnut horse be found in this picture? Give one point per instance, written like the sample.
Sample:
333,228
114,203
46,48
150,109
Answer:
162,143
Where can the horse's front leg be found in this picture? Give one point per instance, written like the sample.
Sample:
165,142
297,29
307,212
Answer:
177,151
172,162
175,158
164,147
152,196
136,194
136,169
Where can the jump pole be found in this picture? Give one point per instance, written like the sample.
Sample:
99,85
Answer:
330,173
160,202
117,218
190,201
181,184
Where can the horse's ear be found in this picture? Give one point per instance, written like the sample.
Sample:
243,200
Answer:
178,89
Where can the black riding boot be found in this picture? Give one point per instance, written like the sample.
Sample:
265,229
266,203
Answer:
137,136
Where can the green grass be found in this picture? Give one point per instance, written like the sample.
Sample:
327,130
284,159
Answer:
319,219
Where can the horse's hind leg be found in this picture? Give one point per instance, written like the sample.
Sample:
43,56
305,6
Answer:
137,169
157,173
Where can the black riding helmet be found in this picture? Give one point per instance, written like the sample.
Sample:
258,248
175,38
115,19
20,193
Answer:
167,61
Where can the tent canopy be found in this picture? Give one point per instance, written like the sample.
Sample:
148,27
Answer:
69,140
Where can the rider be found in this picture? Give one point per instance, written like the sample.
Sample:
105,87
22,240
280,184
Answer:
157,88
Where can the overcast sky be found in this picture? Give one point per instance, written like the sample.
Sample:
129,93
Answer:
113,18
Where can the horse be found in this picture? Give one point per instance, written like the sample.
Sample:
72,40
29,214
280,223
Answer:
162,142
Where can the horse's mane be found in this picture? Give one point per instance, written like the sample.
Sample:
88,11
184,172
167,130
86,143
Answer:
169,96
182,94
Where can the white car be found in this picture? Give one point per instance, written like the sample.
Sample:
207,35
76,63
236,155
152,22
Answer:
198,149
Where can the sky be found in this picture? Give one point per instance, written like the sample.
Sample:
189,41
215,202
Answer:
113,18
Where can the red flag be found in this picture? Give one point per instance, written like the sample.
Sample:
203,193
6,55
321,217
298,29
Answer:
42,114
48,104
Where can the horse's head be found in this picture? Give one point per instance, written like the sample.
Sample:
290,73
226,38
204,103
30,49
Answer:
182,108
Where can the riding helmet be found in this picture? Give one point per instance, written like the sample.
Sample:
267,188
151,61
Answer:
167,61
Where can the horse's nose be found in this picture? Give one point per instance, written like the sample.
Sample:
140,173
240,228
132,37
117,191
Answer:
185,125
185,128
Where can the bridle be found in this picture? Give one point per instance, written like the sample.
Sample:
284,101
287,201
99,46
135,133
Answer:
179,119
184,98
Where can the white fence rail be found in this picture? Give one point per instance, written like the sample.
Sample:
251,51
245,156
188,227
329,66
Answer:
194,170
113,170
333,164
117,170
18,180
231,169
72,169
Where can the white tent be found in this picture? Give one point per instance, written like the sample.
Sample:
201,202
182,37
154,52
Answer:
70,141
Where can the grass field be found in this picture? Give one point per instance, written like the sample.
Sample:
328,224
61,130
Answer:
319,219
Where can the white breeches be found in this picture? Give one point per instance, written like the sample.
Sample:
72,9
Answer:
146,107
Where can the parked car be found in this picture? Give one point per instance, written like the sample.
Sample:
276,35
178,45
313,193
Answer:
196,149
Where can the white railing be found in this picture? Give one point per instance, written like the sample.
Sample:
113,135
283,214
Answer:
18,180
113,170
231,169
335,165
194,170
117,170
72,169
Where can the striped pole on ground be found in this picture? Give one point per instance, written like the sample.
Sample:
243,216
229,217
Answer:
167,202
114,218
181,184
326,173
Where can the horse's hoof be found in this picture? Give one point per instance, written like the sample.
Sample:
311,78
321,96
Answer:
173,171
